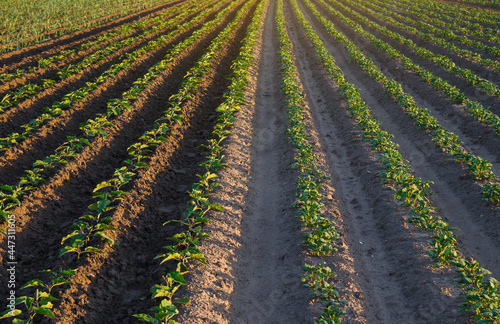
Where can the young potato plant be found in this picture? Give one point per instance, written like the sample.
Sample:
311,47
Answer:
467,27
93,224
447,34
458,17
26,23
195,215
320,233
40,303
317,278
413,193
109,193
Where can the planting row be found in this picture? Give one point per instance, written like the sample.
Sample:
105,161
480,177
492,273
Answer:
479,168
320,233
58,108
441,60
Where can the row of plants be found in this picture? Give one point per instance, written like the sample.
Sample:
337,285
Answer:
468,28
320,233
473,108
92,227
478,168
15,96
122,31
11,195
477,287
448,34
186,244
68,100
26,23
443,61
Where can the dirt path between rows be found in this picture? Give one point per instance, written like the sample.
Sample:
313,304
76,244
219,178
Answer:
255,259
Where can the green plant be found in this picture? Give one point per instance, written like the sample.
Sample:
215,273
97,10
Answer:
40,303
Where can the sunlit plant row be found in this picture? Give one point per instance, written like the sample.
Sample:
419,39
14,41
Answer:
91,228
320,233
445,62
489,34
458,12
445,34
474,108
187,242
68,100
15,96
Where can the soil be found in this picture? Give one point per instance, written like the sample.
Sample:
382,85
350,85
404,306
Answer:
255,256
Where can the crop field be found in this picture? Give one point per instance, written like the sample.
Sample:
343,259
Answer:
250,161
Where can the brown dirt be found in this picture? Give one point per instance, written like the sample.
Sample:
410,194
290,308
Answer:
255,256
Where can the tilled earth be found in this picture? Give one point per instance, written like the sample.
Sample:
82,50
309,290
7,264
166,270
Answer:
255,256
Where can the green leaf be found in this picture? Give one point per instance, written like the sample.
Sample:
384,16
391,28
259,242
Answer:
91,249
104,237
198,256
67,273
216,207
78,234
4,215
44,311
7,188
183,301
146,318
103,184
32,283
175,256
178,277
18,321
10,313
59,281
67,249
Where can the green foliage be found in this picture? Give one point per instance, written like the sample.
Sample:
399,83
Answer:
40,302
